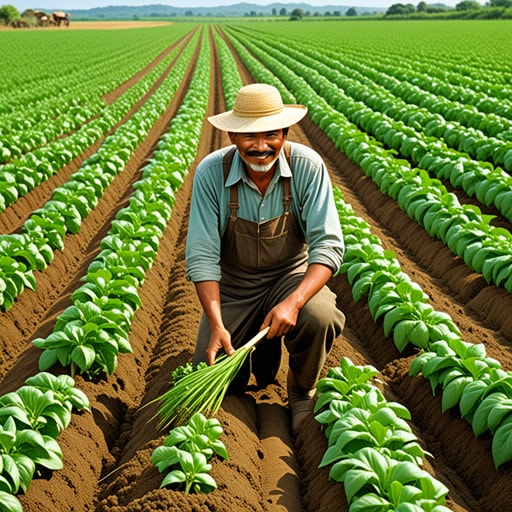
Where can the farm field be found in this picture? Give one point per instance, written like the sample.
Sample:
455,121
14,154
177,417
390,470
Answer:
98,101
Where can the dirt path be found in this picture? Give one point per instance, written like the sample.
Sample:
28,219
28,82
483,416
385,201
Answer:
106,453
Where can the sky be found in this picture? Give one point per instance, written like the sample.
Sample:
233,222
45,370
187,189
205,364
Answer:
51,5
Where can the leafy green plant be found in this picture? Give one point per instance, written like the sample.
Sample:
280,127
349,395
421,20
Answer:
14,278
477,383
88,348
17,466
22,450
102,283
371,447
186,369
185,454
31,419
63,388
39,410
193,472
380,427
374,481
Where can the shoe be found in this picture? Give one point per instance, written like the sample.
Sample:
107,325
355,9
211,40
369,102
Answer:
299,400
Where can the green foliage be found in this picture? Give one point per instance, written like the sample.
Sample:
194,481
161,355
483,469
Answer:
185,453
474,382
9,503
8,13
31,419
371,448
185,370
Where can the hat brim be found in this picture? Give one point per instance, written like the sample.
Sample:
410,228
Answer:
230,122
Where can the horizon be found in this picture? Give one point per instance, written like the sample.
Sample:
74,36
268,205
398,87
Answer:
63,5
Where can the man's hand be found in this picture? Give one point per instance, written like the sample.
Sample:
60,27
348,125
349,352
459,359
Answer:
220,339
282,318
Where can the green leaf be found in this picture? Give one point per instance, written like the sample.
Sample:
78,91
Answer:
9,503
174,477
83,356
370,502
502,444
401,333
453,391
480,418
498,413
355,480
164,457
471,398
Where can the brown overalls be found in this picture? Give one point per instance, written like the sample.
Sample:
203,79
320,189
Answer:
262,263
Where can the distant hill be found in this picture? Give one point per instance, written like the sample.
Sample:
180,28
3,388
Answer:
240,9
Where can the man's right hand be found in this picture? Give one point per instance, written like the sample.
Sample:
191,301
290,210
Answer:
220,339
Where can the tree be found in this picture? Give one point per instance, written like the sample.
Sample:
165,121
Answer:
274,11
282,11
421,7
8,14
351,12
297,14
400,9
467,5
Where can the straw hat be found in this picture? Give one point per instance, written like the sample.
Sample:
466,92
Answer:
258,108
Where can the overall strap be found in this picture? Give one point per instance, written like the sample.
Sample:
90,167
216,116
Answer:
287,192
233,191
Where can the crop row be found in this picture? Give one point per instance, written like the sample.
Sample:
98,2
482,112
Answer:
467,377
47,227
471,236
89,334
109,298
371,447
24,174
45,105
475,75
42,71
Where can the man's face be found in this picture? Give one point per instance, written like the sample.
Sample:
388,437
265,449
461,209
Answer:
259,150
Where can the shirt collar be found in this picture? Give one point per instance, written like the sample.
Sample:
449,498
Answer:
237,173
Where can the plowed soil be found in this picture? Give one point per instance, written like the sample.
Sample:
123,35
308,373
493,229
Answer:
107,452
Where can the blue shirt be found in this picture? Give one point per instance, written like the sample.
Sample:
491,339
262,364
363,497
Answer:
312,205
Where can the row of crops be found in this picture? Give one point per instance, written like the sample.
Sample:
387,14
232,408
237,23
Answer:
328,87
90,334
412,136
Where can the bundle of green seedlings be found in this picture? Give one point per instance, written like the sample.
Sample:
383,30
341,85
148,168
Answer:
202,389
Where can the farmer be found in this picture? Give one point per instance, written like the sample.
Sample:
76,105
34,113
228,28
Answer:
263,240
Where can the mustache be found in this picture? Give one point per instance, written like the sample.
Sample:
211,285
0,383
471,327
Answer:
258,153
